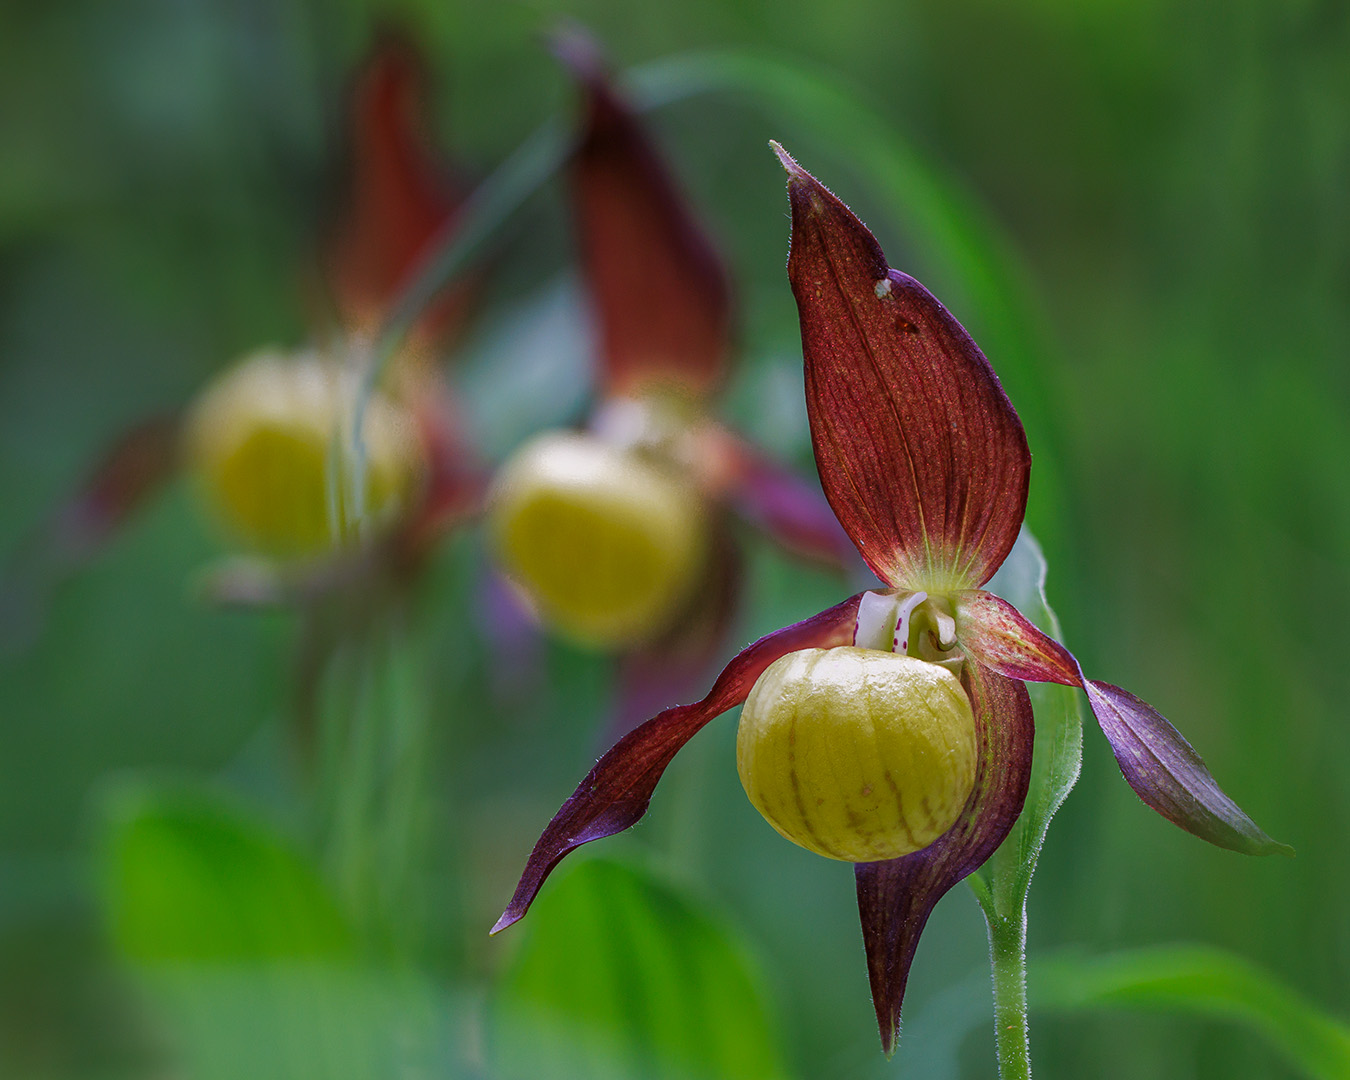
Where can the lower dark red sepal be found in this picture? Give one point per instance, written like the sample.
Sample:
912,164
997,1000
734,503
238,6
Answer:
896,897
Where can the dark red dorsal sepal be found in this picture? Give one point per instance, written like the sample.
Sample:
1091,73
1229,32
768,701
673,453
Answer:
920,453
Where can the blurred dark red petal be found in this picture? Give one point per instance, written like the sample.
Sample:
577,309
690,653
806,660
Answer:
398,198
659,289
1167,773
896,897
129,472
787,506
1161,766
616,792
919,450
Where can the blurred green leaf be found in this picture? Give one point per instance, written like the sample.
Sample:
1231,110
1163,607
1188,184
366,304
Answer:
1058,754
1188,979
1203,981
244,958
621,976
190,876
287,1020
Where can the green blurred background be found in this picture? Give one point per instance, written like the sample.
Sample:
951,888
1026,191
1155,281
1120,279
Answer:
1169,184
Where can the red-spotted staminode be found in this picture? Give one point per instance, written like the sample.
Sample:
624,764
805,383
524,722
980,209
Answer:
894,730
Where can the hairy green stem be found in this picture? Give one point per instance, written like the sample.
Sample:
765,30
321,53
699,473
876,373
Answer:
1008,960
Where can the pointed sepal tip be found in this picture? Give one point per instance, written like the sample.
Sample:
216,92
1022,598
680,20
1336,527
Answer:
784,158
796,174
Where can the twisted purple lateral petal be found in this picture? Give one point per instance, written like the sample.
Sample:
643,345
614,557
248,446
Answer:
1156,761
919,450
896,897
616,792
1167,773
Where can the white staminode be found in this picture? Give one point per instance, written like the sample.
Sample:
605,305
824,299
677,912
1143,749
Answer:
883,620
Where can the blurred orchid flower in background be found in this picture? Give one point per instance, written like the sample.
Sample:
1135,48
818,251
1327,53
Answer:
261,440
267,439
616,536
339,468
894,730
273,448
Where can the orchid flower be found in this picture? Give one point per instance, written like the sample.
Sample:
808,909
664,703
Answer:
263,438
894,730
260,438
398,200
615,536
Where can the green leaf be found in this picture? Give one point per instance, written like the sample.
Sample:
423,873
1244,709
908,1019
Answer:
1205,982
244,959
1201,981
1188,979
1058,753
283,1020
621,976
190,876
